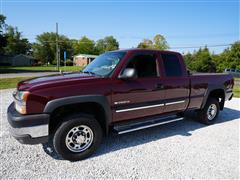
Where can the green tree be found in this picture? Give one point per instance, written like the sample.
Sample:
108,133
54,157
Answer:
159,42
2,23
188,58
200,61
109,43
45,47
230,58
3,39
83,46
15,43
220,62
11,41
146,44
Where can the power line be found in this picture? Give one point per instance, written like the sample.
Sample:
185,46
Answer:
119,1
210,35
189,47
175,47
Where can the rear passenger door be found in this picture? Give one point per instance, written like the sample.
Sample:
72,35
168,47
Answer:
175,82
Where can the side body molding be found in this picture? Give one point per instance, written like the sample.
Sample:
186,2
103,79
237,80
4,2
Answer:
99,99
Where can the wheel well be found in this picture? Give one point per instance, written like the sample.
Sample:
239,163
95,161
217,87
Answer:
90,108
219,95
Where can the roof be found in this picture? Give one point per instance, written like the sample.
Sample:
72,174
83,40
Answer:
5,56
86,55
26,56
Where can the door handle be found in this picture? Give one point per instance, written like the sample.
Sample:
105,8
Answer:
159,86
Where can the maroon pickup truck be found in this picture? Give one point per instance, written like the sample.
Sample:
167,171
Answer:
120,91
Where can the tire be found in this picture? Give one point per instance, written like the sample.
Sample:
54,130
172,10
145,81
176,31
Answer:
209,113
77,137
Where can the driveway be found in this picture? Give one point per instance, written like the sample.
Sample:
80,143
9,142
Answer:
29,74
184,149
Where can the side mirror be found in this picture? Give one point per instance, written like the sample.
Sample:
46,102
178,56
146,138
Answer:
128,73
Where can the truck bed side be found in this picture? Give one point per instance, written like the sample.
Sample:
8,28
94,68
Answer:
204,84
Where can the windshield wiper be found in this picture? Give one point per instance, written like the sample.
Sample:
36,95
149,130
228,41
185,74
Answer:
89,72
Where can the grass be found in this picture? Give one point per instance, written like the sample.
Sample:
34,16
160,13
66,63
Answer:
12,69
7,83
236,91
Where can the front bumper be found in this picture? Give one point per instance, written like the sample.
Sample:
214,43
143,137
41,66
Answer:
28,129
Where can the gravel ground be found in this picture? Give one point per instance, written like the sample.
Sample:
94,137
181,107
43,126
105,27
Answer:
185,149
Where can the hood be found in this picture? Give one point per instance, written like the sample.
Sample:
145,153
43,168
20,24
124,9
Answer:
54,80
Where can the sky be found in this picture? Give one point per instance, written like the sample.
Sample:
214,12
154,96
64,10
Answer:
184,23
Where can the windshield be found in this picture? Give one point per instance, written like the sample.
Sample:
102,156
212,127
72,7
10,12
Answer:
104,64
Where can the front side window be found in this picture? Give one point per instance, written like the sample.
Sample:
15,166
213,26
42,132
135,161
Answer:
104,64
144,64
172,65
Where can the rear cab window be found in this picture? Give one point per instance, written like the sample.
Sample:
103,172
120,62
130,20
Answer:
172,65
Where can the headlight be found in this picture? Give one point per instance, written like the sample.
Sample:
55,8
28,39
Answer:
22,95
20,101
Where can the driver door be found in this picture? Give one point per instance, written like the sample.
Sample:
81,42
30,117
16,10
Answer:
139,96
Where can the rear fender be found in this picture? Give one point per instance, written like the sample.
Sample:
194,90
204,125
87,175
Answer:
210,89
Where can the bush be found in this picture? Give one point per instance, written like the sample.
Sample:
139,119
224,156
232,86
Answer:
54,62
69,62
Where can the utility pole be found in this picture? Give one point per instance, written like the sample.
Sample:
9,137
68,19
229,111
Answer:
57,51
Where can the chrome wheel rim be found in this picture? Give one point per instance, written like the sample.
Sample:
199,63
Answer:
79,138
211,112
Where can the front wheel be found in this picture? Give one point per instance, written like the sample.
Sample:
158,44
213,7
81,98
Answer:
209,113
77,138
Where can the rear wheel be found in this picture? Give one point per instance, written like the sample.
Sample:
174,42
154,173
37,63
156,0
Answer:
210,112
77,138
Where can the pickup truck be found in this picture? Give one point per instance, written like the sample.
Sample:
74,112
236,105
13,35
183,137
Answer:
119,92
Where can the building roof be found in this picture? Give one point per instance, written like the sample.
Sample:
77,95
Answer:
26,56
85,55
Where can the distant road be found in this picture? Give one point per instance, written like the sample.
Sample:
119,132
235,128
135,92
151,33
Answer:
29,74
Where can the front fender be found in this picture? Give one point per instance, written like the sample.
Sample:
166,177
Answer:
100,99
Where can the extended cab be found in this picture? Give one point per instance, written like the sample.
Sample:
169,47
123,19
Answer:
120,91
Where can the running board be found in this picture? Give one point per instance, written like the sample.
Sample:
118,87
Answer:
130,127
